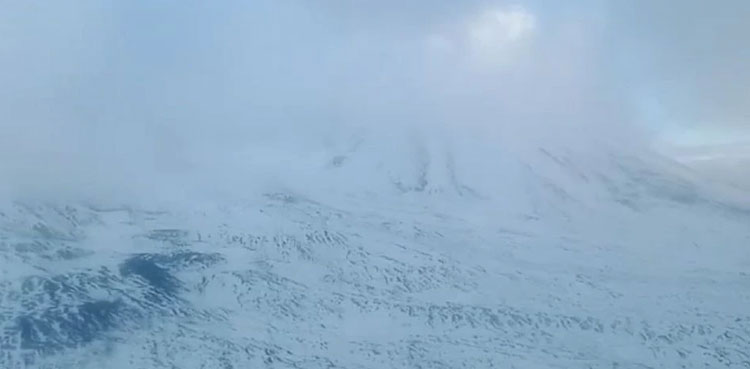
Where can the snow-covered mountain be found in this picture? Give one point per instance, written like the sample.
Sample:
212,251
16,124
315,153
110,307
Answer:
391,253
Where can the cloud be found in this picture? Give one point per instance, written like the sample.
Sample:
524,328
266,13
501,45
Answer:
689,59
496,34
145,97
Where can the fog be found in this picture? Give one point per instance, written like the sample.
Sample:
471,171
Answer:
166,98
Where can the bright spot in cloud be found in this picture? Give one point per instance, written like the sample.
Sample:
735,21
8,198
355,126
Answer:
496,35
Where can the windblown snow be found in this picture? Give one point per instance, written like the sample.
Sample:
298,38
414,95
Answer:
426,257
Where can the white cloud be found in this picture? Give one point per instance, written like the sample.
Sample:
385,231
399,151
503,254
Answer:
167,95
490,39
496,35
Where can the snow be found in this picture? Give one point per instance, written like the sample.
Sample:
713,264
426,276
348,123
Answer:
442,255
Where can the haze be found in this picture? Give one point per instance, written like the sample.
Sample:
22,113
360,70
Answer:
128,98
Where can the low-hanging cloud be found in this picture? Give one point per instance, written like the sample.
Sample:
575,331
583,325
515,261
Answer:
687,60
145,97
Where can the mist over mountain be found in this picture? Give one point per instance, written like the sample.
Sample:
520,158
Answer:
286,184
392,251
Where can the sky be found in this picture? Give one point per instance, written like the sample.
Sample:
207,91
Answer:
115,95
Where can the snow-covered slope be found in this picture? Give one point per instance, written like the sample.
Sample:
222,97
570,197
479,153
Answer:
416,256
